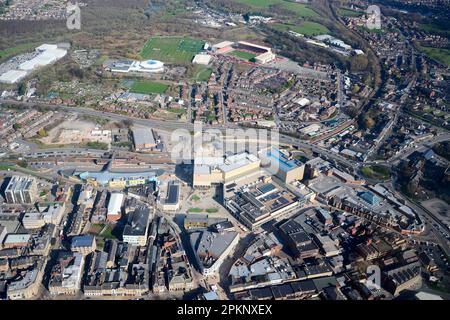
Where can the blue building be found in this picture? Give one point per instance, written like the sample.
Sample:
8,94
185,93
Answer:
370,198
281,166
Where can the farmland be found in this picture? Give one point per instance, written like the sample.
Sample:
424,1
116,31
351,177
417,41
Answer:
176,50
148,87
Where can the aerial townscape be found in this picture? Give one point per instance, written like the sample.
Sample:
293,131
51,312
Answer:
225,150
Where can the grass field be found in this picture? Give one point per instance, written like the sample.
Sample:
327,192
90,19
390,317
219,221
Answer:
376,172
148,87
171,49
307,28
300,9
349,13
9,52
439,54
434,28
202,73
242,55
195,210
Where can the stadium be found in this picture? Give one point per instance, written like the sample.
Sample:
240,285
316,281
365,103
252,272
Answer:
125,66
245,51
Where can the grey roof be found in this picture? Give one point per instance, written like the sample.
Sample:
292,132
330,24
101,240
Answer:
143,136
137,222
211,243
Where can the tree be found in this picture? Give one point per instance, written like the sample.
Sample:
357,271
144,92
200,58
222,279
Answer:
42,133
368,122
21,89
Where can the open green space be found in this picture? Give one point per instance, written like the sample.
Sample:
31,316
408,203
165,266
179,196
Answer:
300,9
441,55
171,49
202,73
212,210
148,87
435,28
9,52
195,197
349,12
195,210
108,233
307,28
242,55
97,145
376,172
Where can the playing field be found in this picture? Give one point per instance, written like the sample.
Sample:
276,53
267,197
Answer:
171,49
300,9
441,55
307,28
349,13
242,55
202,74
148,87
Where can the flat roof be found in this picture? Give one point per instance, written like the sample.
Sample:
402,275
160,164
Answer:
143,136
12,76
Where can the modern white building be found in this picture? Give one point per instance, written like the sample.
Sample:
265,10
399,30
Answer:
12,76
126,66
203,59
46,54
115,206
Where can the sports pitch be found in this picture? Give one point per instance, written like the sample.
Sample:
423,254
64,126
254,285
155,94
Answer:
242,55
171,49
148,87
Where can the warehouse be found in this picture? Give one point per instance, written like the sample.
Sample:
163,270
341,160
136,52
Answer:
144,139
203,59
12,76
115,206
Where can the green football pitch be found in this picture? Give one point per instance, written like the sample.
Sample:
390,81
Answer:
171,49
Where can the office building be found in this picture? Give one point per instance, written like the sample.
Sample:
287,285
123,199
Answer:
21,190
279,164
136,229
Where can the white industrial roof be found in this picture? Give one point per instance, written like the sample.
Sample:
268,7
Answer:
222,44
45,58
115,203
202,59
12,76
17,238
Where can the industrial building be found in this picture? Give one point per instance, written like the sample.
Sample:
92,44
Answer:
284,168
216,170
21,190
44,55
203,59
114,211
144,139
136,229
